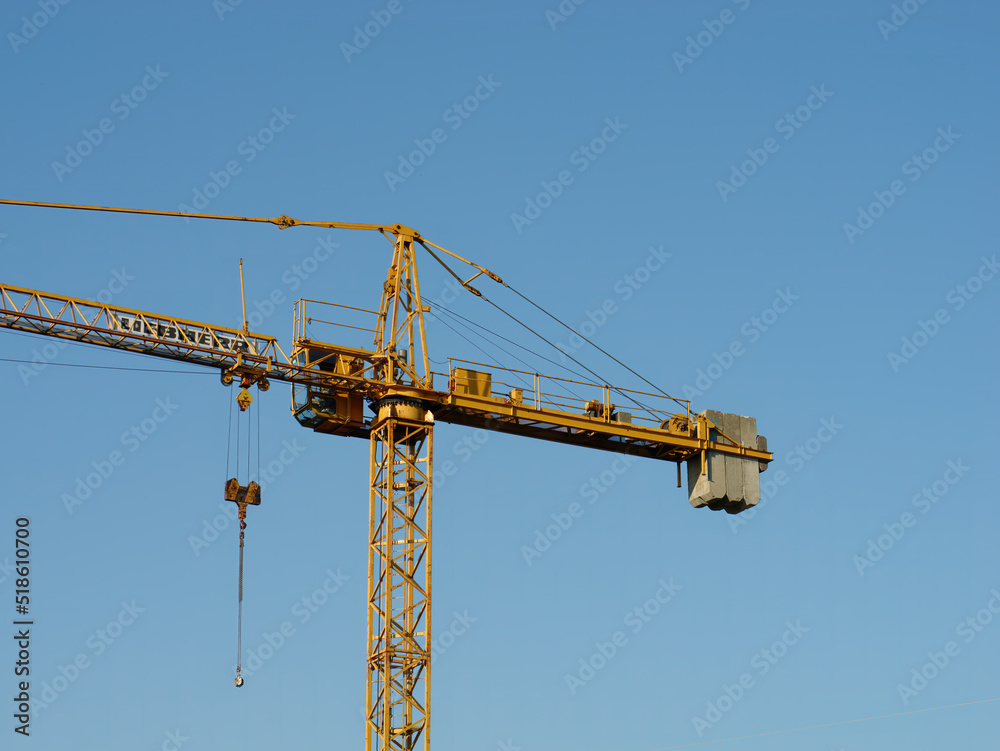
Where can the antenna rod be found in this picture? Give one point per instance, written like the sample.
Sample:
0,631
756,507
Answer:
243,294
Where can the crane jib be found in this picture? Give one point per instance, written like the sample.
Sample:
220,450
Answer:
98,323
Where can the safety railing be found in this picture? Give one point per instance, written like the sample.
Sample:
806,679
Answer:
313,316
542,392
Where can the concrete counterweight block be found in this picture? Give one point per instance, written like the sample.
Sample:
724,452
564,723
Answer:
732,483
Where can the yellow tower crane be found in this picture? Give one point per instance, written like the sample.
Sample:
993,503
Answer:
332,385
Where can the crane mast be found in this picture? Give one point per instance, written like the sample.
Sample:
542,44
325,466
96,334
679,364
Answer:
398,693
333,384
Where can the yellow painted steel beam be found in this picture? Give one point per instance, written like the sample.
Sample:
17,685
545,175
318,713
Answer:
283,222
141,332
399,580
584,424
195,342
98,323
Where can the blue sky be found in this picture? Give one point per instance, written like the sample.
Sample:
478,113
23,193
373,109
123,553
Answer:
813,185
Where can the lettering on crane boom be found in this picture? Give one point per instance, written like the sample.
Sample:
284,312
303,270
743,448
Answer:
168,332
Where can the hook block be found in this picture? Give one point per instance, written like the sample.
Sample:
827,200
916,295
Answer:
247,495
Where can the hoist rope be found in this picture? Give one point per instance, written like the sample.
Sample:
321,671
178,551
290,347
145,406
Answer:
243,526
598,377
229,437
487,355
567,326
470,323
239,623
517,375
476,333
423,244
237,446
